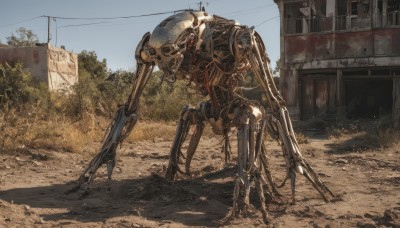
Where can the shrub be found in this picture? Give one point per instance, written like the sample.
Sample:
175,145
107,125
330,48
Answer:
165,101
18,88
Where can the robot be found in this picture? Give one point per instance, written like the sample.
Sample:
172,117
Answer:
213,55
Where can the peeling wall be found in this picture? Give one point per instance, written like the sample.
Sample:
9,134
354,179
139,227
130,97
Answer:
358,44
56,67
320,39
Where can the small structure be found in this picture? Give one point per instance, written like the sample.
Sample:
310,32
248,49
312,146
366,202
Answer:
340,57
56,67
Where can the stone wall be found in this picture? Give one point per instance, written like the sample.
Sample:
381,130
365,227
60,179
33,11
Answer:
56,67
62,68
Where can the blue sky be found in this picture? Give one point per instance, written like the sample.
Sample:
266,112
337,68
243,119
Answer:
116,40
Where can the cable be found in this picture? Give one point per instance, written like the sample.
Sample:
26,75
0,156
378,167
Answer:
19,22
77,25
266,21
114,18
109,23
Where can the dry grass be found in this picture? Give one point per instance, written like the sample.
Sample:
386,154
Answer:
388,137
53,133
149,130
57,132
301,138
62,134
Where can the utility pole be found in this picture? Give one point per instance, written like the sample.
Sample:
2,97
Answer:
48,29
55,20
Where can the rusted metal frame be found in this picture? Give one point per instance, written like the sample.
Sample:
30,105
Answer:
181,132
194,142
226,148
310,171
265,164
251,165
293,156
123,123
261,195
142,75
242,176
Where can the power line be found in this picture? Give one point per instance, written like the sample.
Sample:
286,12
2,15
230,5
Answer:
85,24
269,19
114,18
19,22
106,23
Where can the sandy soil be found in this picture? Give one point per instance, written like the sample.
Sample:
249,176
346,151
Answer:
33,182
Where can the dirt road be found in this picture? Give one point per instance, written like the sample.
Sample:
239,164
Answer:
33,182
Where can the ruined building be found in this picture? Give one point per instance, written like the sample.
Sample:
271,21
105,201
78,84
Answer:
56,67
340,58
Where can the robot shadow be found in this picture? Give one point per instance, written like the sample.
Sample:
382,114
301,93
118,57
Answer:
201,201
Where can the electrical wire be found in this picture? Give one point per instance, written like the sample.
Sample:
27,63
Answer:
19,22
86,24
114,18
108,23
105,18
269,19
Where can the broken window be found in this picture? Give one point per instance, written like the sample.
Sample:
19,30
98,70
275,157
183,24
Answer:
306,16
353,14
354,8
341,14
378,16
393,12
294,17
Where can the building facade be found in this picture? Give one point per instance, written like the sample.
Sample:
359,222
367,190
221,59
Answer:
56,67
340,58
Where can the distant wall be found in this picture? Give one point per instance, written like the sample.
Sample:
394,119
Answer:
33,58
62,68
56,67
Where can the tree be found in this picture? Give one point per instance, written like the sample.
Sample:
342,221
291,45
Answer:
88,63
276,71
23,38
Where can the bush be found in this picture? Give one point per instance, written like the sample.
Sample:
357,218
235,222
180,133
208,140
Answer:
164,102
18,88
23,100
33,117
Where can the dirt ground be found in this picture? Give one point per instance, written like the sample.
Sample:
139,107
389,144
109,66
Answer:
33,182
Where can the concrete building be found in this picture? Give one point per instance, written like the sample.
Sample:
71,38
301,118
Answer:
340,57
56,67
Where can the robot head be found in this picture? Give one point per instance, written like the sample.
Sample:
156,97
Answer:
169,40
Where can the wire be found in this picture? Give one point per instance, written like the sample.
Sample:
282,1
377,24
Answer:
109,23
77,25
19,22
114,18
269,19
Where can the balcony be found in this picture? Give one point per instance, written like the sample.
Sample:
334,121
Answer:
393,18
324,24
306,25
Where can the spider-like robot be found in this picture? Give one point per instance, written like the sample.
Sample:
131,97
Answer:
213,54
